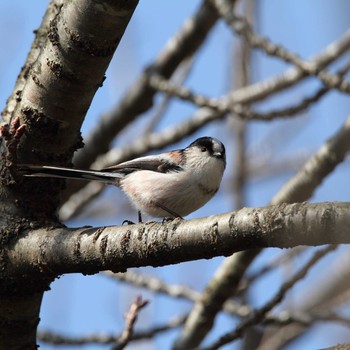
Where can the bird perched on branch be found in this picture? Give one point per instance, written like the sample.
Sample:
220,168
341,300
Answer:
171,184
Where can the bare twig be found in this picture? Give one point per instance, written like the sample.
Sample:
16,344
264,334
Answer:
231,307
260,90
241,26
179,77
321,302
77,201
272,265
130,319
11,134
225,105
154,284
57,339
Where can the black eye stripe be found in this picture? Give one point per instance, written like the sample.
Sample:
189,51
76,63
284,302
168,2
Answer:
203,143
208,144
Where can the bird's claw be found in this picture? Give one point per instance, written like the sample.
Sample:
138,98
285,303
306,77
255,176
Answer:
128,222
168,219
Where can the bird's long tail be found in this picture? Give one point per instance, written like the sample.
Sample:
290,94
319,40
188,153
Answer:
68,173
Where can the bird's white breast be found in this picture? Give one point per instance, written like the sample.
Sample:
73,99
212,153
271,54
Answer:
182,192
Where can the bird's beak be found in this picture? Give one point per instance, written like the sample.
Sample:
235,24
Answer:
218,155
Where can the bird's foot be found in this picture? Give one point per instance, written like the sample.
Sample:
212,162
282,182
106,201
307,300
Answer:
168,219
151,222
128,222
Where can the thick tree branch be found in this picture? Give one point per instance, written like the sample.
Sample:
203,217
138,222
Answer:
63,80
70,55
89,250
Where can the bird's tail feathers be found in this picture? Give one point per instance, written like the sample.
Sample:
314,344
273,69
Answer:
68,173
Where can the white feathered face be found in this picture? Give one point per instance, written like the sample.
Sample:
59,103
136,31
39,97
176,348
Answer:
206,152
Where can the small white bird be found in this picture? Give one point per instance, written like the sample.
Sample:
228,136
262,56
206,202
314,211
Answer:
171,184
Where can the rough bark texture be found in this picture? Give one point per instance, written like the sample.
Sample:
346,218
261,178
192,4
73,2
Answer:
53,93
116,248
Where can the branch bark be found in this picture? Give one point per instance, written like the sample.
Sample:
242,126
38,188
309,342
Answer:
64,78
90,250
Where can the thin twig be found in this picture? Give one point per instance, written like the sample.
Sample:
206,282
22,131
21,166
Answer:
58,339
179,77
242,27
154,284
130,319
225,105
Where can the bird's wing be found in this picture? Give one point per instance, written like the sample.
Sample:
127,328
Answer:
159,163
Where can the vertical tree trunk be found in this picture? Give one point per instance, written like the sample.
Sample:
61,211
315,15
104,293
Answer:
51,98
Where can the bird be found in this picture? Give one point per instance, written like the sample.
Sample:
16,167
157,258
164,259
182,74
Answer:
167,185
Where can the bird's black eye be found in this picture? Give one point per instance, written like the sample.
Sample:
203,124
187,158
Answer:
203,149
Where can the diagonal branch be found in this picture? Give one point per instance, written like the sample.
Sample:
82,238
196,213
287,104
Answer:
224,104
302,185
259,314
262,89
